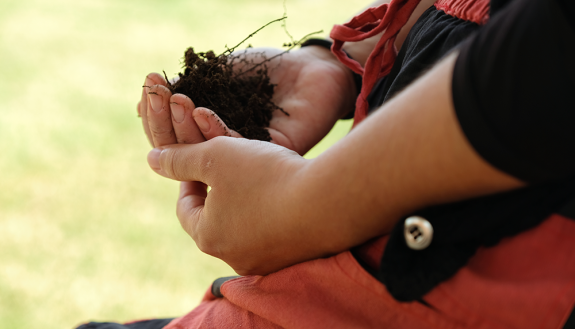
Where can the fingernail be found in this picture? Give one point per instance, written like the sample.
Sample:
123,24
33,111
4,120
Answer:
177,112
156,102
154,159
202,123
148,83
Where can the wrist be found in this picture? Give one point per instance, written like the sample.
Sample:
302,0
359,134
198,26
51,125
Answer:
330,211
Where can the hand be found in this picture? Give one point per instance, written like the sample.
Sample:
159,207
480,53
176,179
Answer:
312,86
225,211
248,219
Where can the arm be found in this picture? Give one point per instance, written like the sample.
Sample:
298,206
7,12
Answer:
269,208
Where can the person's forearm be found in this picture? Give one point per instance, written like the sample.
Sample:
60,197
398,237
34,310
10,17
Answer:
410,154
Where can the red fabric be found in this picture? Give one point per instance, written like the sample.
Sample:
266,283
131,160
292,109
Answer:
526,281
387,17
390,18
474,11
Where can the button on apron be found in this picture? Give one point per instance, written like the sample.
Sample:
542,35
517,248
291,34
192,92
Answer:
418,232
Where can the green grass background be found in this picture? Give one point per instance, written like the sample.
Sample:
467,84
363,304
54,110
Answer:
87,231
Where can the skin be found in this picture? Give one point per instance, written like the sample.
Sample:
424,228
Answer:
269,208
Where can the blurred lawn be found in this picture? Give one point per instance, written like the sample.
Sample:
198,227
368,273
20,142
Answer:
87,231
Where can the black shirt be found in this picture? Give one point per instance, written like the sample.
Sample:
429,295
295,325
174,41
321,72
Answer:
512,85
512,89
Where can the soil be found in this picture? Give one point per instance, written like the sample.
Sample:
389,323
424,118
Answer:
241,98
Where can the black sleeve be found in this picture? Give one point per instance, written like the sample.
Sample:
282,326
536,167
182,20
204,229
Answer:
514,90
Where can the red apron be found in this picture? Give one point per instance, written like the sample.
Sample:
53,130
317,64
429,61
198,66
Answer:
526,281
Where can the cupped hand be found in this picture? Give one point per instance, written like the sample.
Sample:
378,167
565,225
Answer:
312,86
248,219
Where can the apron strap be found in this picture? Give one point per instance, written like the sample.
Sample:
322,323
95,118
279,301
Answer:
387,17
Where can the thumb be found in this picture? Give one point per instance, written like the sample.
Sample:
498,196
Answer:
184,162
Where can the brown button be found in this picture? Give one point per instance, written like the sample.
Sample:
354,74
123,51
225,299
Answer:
418,232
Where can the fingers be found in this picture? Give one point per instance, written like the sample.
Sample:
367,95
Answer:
159,116
195,125
211,125
190,205
151,80
281,139
185,127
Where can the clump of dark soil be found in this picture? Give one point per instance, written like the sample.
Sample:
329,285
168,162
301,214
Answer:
241,96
